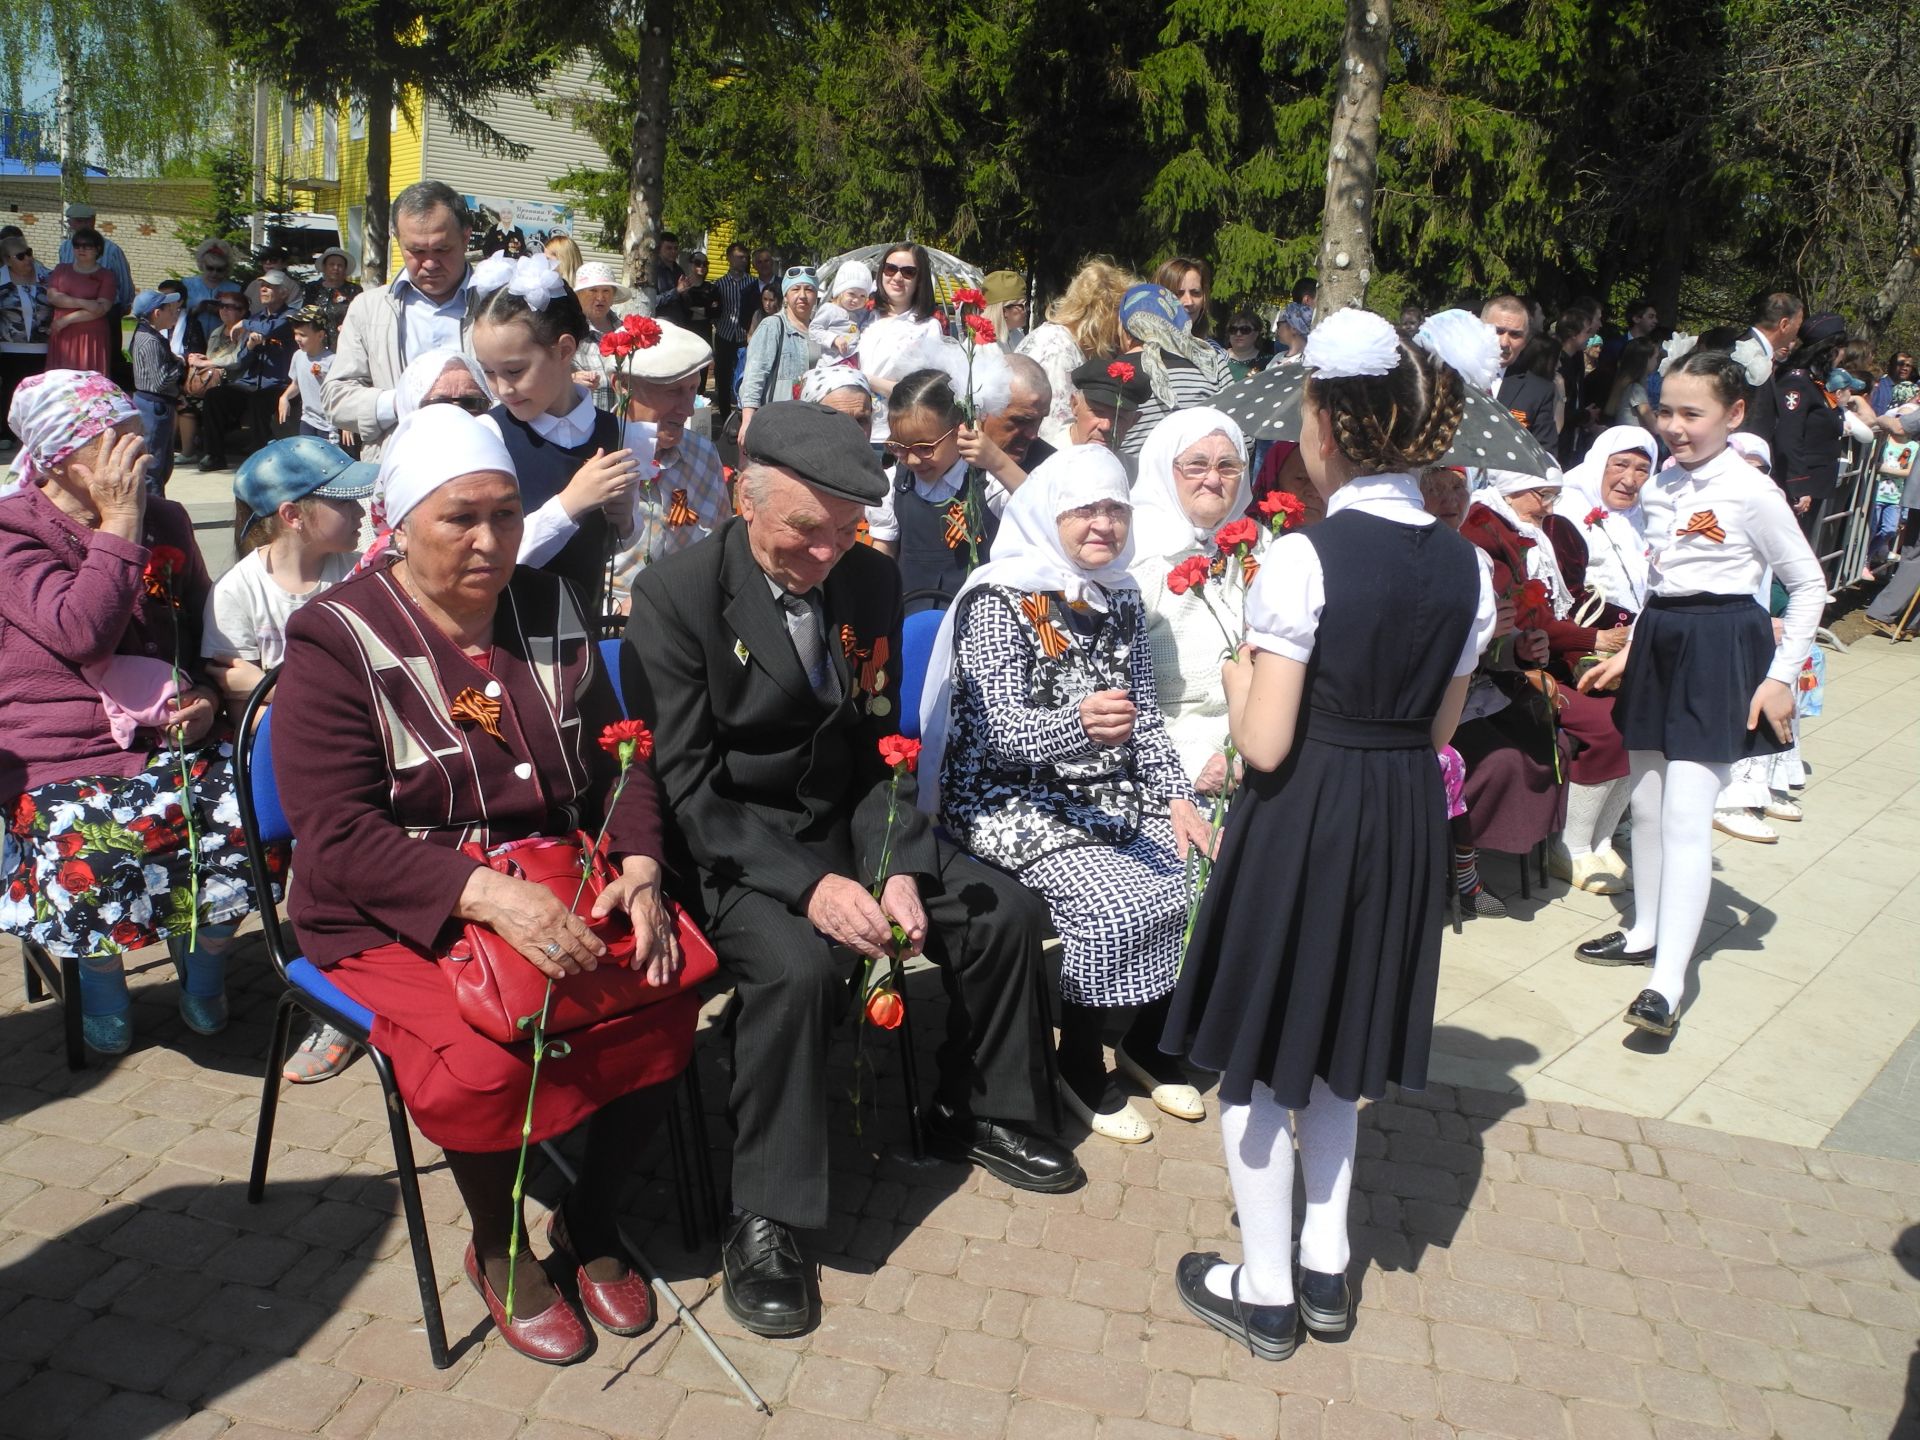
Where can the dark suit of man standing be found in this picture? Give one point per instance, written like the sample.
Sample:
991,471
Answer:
765,658
1777,319
1528,397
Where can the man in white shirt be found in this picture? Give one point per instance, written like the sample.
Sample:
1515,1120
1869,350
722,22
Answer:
425,308
1776,326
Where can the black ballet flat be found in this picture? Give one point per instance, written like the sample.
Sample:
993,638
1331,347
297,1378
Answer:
1651,1013
1270,1332
1326,1306
1611,949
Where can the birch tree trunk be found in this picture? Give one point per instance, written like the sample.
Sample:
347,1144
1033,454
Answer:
646,174
73,161
1906,231
1346,226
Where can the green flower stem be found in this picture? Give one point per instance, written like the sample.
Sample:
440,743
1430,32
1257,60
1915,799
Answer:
1201,864
539,1026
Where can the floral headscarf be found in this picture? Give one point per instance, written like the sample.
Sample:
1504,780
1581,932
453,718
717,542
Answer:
55,414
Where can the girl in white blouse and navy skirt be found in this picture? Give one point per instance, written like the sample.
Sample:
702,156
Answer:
1702,683
1310,979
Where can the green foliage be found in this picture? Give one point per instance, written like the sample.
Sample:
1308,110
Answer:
223,214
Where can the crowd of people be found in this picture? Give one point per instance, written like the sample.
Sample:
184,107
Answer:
1229,717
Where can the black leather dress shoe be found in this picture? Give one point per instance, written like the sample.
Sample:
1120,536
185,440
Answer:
1651,1013
1268,1331
1611,949
769,1288
1030,1162
1326,1308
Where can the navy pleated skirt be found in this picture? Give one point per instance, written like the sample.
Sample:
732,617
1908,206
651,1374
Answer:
1695,663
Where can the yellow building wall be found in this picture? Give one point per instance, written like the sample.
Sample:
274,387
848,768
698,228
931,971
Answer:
289,159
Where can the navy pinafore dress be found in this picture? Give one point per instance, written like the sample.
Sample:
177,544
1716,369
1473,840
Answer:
1317,946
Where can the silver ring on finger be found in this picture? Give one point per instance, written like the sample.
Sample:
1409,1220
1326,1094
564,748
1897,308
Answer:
552,948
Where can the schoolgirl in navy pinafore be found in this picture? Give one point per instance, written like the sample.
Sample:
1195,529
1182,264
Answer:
1317,947
545,468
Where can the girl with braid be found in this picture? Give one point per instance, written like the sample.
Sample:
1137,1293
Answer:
1310,978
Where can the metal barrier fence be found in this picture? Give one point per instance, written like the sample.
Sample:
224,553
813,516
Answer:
1842,537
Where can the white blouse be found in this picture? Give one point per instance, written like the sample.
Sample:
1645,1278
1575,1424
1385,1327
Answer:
1287,596
1724,529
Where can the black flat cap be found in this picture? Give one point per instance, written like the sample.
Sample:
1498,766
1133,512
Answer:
1095,380
821,446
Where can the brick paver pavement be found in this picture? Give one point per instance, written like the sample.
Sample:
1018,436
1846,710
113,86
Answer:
1524,1270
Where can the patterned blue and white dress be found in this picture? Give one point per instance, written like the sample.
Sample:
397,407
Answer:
1086,825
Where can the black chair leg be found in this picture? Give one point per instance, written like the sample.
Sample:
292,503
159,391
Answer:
682,1174
1526,879
435,1322
1453,902
1541,854
70,1013
270,1095
36,988
909,1064
709,1211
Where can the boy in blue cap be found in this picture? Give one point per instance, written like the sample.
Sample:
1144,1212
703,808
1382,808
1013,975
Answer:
157,373
296,528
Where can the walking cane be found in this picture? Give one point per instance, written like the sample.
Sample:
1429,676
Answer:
666,1293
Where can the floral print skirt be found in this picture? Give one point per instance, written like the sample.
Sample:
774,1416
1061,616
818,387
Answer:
97,867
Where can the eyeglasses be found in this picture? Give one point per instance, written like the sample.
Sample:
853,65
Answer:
1200,469
922,451
1239,329
905,272
472,404
1109,510
85,245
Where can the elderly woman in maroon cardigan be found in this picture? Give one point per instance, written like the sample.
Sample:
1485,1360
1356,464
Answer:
450,698
114,773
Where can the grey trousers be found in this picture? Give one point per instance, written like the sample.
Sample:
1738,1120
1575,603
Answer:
1892,602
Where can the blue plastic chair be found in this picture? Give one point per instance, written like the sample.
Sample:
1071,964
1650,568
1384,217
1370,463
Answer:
917,633
264,823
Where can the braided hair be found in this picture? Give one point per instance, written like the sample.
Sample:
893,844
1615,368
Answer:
1727,375
1403,420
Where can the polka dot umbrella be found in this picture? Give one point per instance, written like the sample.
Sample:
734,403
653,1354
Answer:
1267,407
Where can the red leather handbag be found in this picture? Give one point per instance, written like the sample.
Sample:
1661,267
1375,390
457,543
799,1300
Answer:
496,987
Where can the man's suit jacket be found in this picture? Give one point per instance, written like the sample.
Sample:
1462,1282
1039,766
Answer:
369,356
768,787
1529,398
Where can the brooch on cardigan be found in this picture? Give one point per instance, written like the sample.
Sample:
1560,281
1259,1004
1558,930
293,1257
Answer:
868,666
476,709
1039,612
1704,524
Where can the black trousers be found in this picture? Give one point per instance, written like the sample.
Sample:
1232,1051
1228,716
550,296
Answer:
984,931
726,355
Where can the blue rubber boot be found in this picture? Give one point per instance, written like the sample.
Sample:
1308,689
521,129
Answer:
203,980
106,1012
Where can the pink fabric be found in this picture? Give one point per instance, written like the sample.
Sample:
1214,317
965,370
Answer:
135,692
1453,775
71,597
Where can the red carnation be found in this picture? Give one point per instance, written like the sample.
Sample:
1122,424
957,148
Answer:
1596,515
967,295
1189,574
1283,506
621,734
982,328
1241,532
616,343
166,561
75,877
644,329
1534,593
898,750
1120,370
886,1009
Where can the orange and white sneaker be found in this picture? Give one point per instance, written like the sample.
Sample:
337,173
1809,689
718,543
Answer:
321,1056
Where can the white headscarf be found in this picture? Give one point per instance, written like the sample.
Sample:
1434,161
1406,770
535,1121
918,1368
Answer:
423,372
434,446
1617,542
1027,556
1542,563
1160,523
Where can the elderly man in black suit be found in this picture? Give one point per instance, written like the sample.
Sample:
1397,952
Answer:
1528,397
765,659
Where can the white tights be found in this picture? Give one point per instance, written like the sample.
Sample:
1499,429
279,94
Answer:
1593,814
1672,861
1260,1164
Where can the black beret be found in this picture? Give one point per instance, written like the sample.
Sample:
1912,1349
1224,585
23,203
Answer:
1095,380
821,446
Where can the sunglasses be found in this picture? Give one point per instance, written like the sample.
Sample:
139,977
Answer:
1240,329
85,245
472,404
793,270
21,255
905,272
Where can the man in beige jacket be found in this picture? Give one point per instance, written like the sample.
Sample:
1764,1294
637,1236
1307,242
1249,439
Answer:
424,309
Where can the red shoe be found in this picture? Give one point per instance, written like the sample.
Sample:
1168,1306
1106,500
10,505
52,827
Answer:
556,1336
620,1307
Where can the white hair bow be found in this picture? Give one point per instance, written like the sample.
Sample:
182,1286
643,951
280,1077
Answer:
1351,342
533,278
1464,341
